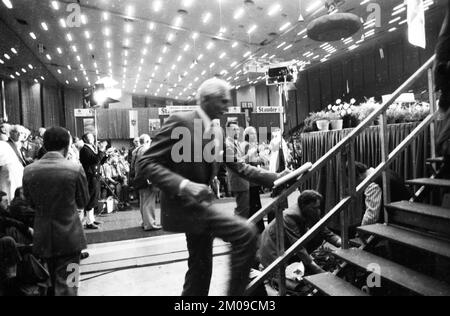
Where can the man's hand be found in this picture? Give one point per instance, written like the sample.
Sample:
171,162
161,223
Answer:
197,192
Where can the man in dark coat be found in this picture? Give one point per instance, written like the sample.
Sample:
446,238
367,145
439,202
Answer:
183,174
56,188
92,157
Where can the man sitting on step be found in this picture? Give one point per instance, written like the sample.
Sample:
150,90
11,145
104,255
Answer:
373,195
297,222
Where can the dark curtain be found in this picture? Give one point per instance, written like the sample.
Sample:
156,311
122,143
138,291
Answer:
410,164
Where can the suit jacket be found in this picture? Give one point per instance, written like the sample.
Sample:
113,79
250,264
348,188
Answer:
237,183
294,228
157,165
91,161
56,189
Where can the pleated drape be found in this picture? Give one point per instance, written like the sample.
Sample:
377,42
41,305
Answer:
410,164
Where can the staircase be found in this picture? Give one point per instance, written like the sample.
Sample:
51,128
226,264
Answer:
415,231
414,228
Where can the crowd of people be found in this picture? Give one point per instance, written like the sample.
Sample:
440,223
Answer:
52,185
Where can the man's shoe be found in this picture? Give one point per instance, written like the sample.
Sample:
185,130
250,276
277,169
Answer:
97,223
84,255
92,227
155,228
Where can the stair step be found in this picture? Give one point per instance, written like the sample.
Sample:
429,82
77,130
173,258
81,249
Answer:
428,217
395,273
410,239
440,183
330,285
438,160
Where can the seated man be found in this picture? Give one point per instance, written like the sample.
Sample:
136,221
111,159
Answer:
297,222
11,227
115,179
373,195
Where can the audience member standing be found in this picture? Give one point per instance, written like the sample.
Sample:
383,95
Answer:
147,192
56,188
11,164
239,186
4,132
91,157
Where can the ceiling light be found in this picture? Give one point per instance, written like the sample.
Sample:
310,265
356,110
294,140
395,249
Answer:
233,64
179,58
44,26
157,5
24,70
33,36
210,45
59,71
87,34
8,4
42,78
105,16
187,47
178,21
274,9
148,39
30,66
315,5
14,50
206,17
195,35
128,28
7,56
130,10
69,37
239,13
62,22
90,46
74,48
285,26
170,37
84,19
151,26
235,44
247,54
222,55
252,29
212,65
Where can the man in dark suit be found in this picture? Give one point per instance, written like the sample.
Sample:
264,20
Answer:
56,188
238,185
183,174
91,157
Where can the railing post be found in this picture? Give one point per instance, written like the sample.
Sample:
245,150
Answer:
384,138
281,250
432,95
351,191
341,166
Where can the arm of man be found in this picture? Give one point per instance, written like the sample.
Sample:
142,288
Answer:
82,192
248,172
87,156
373,196
331,237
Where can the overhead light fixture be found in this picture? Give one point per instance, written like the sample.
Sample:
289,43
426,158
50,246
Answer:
239,13
206,17
8,4
14,50
252,29
157,5
33,36
62,22
274,9
44,26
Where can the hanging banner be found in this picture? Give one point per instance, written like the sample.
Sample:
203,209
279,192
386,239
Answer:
416,23
169,110
134,128
84,112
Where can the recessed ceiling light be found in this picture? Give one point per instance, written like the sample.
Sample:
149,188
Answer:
84,19
178,21
69,38
2,62
62,22
206,17
42,78
238,13
274,9
48,57
285,26
44,26
33,36
91,47
87,34
14,50
55,5
128,28
105,16
7,56
8,4
222,55
252,29
24,70
59,71
30,66
157,5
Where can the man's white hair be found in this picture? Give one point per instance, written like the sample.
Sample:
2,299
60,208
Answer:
144,139
213,87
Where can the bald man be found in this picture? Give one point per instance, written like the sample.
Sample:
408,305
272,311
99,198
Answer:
186,193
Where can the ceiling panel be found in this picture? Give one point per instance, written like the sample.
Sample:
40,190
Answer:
166,48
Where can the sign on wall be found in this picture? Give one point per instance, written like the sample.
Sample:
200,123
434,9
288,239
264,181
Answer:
154,125
234,110
270,109
246,105
84,112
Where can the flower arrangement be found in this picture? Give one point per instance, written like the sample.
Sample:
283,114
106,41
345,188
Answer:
353,114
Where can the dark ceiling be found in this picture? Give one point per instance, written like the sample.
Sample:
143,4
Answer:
167,51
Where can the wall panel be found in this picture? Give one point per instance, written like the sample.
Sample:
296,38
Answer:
53,106
73,99
31,105
12,99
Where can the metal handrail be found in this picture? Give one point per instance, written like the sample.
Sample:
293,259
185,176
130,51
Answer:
341,146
